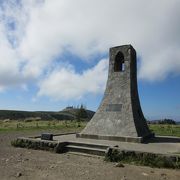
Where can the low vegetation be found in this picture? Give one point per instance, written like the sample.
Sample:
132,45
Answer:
142,158
35,124
165,129
30,125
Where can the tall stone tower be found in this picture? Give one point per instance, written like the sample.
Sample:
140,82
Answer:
119,117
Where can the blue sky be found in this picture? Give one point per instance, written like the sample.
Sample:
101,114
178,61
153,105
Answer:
55,53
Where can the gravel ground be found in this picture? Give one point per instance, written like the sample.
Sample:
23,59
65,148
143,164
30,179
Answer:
26,164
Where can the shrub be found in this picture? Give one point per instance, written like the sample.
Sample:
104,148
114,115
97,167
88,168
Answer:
142,158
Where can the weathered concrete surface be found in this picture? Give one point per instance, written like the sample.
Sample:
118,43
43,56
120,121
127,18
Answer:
165,148
119,117
159,144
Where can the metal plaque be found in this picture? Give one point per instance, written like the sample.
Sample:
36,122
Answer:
114,107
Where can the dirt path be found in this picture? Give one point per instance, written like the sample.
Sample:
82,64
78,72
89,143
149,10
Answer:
26,164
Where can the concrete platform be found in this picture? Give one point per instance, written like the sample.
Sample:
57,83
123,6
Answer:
116,138
159,144
160,151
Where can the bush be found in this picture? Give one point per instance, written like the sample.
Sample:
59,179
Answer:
142,158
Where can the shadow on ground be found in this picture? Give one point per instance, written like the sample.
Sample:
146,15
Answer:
163,139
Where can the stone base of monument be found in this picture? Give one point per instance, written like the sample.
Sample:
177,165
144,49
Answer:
116,138
67,145
83,148
166,149
69,142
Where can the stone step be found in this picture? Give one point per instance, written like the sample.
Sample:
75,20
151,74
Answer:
84,154
90,145
87,150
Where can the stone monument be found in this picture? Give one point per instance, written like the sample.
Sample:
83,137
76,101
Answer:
119,116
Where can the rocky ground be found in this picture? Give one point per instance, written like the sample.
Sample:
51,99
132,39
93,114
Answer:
18,163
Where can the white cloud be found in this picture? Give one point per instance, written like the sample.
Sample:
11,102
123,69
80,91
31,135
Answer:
9,64
88,27
159,66
45,29
65,83
11,61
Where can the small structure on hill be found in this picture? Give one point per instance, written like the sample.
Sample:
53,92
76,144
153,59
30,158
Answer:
119,116
69,107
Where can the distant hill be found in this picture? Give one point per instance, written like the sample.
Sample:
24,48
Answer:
65,114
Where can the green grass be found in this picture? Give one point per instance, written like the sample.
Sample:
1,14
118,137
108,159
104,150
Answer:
40,125
14,125
165,130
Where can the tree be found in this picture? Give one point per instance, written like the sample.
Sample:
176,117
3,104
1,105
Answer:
81,113
168,121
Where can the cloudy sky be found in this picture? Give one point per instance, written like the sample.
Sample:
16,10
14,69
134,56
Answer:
54,53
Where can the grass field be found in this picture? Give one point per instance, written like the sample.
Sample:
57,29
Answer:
6,126
165,130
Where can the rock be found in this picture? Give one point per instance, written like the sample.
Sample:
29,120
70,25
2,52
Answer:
60,162
18,174
119,165
6,120
52,166
19,160
145,174
163,174
124,178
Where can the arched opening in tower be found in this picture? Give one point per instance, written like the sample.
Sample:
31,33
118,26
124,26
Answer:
119,62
